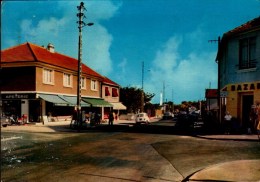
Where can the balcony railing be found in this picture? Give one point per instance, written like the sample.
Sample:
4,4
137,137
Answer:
248,65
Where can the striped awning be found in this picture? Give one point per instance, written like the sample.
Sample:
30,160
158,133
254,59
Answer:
118,106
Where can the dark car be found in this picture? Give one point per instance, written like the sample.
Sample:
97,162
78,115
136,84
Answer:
167,115
189,121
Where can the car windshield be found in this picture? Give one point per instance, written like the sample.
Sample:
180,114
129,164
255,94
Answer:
141,115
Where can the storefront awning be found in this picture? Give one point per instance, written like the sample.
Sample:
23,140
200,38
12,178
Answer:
73,100
55,99
118,106
97,102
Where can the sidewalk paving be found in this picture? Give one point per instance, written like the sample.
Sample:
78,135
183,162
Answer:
242,170
241,137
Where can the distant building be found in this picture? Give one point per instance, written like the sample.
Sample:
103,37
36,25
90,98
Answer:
38,82
211,96
110,93
239,70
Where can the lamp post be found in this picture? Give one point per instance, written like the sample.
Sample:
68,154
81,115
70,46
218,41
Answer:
81,24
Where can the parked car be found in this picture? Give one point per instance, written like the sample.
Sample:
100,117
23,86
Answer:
168,115
142,118
189,121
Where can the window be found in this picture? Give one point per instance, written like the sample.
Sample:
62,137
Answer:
107,93
67,80
83,83
93,85
114,92
48,76
247,53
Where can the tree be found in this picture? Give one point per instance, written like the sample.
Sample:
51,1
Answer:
131,98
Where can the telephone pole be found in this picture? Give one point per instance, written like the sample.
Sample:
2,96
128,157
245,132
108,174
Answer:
217,61
81,24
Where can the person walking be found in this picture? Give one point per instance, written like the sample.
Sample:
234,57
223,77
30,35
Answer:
111,118
257,122
97,118
227,123
253,119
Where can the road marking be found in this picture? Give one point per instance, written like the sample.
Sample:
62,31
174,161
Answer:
11,138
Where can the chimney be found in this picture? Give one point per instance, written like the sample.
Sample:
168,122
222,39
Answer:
50,48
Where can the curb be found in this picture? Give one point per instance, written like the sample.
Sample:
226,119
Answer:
242,170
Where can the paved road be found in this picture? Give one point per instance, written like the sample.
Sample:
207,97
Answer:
55,153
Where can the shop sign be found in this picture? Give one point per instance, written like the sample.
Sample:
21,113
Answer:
245,87
223,94
18,96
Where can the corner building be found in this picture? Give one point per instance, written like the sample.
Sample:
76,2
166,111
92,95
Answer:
37,82
239,71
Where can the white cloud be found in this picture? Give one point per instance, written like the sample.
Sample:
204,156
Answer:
166,59
63,33
97,47
122,66
184,78
45,28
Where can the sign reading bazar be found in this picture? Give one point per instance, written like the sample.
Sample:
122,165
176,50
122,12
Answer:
18,96
245,87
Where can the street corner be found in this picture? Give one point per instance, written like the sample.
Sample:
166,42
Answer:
241,137
240,170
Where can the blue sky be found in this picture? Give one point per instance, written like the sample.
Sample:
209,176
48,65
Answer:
169,36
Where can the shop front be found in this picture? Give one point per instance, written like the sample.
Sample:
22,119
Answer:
21,105
34,107
239,99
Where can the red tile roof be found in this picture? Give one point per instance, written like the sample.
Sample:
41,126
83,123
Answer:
29,52
109,82
245,27
248,26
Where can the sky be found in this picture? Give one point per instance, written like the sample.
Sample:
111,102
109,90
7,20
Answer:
169,37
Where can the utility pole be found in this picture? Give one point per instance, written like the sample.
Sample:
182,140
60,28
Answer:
142,94
81,24
163,97
217,61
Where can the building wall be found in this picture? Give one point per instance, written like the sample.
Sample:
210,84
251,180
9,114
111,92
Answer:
234,98
230,72
242,85
58,86
18,79
109,98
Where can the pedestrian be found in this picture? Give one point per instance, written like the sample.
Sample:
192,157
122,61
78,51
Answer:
97,118
227,123
111,118
252,120
257,123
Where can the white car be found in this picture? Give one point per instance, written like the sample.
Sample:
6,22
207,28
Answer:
142,118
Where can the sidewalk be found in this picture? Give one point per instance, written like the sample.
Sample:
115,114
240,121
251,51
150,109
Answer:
242,170
241,137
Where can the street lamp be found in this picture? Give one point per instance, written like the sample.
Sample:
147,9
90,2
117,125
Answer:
81,23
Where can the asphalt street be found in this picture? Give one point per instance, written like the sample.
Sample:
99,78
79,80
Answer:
56,153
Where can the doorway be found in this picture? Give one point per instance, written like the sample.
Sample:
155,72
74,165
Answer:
34,110
247,102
